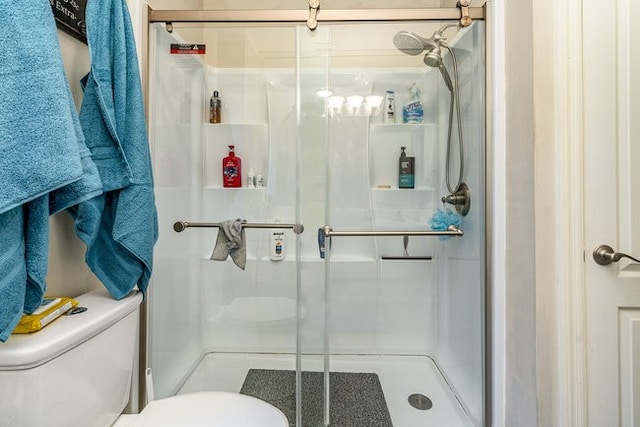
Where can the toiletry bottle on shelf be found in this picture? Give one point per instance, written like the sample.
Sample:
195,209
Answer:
389,107
215,108
412,111
259,180
251,179
232,169
406,174
277,244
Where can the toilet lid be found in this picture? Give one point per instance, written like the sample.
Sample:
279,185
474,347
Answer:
210,409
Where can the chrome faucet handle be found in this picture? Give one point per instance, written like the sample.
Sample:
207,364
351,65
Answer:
605,255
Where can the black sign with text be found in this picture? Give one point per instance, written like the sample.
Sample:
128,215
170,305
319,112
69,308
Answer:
69,16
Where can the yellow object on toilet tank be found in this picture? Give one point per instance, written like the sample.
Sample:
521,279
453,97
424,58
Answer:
50,310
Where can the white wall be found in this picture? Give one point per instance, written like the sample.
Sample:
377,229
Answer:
517,317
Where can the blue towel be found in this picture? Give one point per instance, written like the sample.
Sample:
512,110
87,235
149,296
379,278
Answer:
13,268
119,227
45,165
38,149
24,239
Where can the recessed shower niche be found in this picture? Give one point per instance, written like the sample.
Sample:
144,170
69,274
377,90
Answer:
365,285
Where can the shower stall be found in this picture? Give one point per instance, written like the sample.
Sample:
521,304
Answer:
343,303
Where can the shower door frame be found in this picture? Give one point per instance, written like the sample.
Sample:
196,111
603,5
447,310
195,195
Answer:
274,16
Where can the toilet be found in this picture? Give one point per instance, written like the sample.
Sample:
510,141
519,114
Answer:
77,372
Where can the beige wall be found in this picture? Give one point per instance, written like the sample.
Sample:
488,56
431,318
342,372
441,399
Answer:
520,291
68,274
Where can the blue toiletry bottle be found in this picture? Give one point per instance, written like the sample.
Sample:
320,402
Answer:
412,111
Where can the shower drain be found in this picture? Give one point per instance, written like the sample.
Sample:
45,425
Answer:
420,401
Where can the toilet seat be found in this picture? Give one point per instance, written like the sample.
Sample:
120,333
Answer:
210,409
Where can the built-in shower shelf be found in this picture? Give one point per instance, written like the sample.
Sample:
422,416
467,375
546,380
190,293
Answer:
403,190
238,124
251,142
386,142
395,127
338,259
218,187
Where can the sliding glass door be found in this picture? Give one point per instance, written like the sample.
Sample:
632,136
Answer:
337,298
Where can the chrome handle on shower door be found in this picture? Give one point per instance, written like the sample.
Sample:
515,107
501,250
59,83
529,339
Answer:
605,255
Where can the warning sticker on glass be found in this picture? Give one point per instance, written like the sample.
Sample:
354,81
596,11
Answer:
188,49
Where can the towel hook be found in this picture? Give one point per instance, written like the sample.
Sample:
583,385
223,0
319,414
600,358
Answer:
169,27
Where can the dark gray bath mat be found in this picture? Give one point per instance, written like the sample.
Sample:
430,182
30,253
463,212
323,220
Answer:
357,399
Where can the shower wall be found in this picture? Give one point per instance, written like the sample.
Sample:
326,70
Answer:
175,134
318,168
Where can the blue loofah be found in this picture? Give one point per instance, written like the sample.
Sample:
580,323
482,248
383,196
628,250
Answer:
442,219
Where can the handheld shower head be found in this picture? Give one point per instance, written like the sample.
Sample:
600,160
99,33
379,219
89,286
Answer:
433,58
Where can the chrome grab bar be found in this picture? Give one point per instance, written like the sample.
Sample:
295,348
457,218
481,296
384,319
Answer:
180,226
451,231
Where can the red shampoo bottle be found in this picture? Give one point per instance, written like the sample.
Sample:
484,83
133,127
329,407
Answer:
232,170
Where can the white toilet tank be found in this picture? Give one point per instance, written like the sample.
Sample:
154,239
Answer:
76,371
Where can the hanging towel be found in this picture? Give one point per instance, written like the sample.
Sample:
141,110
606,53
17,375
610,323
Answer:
230,242
13,268
45,165
38,150
24,239
119,227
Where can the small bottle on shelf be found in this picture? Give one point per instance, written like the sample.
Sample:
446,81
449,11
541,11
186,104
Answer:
389,107
259,180
251,179
215,108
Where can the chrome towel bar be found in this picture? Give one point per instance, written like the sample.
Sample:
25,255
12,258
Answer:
180,226
451,231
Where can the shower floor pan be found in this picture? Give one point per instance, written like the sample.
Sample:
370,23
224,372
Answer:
400,377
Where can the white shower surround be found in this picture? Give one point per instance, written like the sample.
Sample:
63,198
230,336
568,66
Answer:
186,315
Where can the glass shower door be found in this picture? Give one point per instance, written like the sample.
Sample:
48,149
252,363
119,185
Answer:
227,324
400,304
366,319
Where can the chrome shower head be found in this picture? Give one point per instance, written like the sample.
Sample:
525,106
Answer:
412,44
